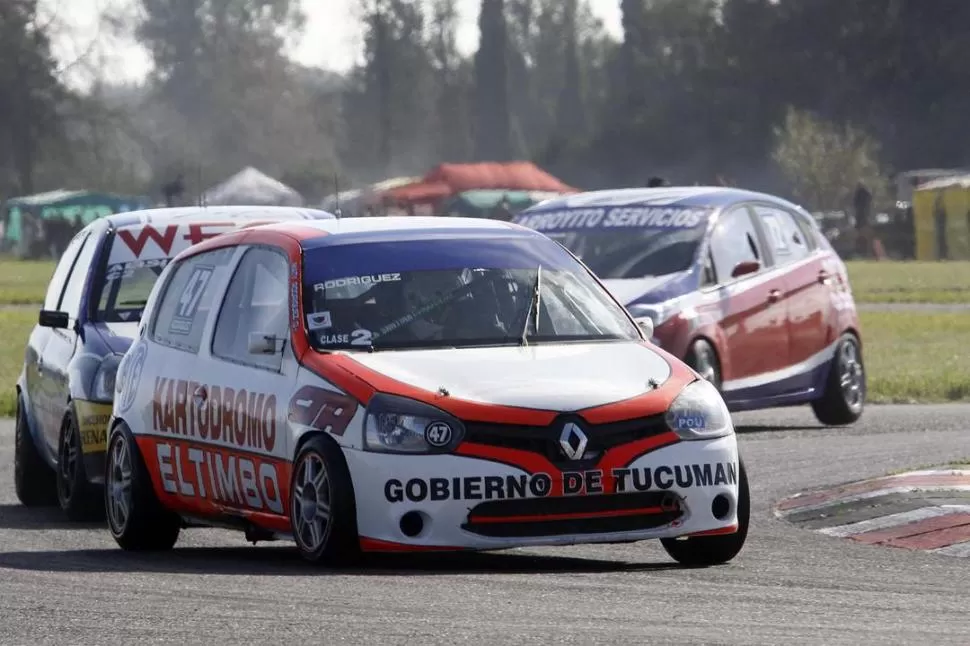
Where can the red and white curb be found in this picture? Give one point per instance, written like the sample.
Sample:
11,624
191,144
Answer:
869,512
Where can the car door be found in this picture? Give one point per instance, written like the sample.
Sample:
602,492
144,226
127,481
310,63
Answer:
250,375
807,293
63,343
41,400
176,329
753,316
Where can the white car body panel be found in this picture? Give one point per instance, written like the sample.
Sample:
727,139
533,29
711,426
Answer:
380,519
563,377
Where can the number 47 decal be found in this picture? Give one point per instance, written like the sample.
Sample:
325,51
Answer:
193,290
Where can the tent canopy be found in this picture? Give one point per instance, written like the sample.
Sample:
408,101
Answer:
81,206
961,181
447,180
353,200
479,203
250,187
62,198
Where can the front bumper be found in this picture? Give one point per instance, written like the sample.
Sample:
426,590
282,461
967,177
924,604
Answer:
447,502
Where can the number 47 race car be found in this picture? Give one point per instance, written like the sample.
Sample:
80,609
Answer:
410,385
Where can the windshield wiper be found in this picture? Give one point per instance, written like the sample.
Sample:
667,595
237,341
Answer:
533,307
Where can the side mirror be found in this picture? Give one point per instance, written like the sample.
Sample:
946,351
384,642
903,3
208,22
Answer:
745,267
53,319
646,324
260,343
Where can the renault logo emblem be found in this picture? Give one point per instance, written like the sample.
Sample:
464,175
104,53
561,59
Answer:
572,441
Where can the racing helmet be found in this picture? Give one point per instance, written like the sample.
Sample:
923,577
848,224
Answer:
422,288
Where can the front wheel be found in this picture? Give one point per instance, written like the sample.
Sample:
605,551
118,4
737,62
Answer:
137,520
702,357
705,551
322,507
845,388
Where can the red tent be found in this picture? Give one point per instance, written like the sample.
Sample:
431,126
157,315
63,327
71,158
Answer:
450,179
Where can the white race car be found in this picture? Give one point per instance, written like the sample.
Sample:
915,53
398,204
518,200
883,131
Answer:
407,385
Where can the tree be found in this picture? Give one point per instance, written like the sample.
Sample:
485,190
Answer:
493,130
30,94
454,87
824,162
226,95
390,105
570,112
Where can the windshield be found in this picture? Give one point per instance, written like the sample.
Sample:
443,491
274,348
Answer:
126,289
633,254
446,293
136,258
626,241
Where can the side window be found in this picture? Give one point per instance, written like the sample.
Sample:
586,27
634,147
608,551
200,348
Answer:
256,302
77,281
735,240
56,286
709,277
807,226
787,240
188,299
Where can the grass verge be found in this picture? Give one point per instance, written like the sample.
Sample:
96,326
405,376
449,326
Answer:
15,327
915,357
910,282
911,357
24,282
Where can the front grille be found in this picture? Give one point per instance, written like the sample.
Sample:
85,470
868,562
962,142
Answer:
574,515
544,440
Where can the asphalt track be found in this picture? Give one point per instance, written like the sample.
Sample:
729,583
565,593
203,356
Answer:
71,585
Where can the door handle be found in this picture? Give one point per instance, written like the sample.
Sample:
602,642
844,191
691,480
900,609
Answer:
824,278
774,296
201,396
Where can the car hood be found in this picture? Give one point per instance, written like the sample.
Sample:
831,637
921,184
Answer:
649,289
565,377
118,336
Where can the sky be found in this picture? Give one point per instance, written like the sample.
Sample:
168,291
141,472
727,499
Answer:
331,39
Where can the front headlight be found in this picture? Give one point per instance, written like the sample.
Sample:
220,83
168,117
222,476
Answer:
401,425
699,413
103,386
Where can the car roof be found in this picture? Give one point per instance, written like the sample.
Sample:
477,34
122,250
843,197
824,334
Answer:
196,214
712,197
400,228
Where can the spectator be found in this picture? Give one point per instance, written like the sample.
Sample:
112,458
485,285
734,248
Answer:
655,182
174,190
503,210
862,201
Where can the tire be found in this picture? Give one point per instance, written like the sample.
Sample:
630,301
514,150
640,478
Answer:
77,497
137,520
844,397
323,537
34,480
702,357
705,551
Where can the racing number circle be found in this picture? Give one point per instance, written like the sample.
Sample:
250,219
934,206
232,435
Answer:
438,434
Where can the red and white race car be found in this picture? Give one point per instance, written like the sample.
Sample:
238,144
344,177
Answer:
411,384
